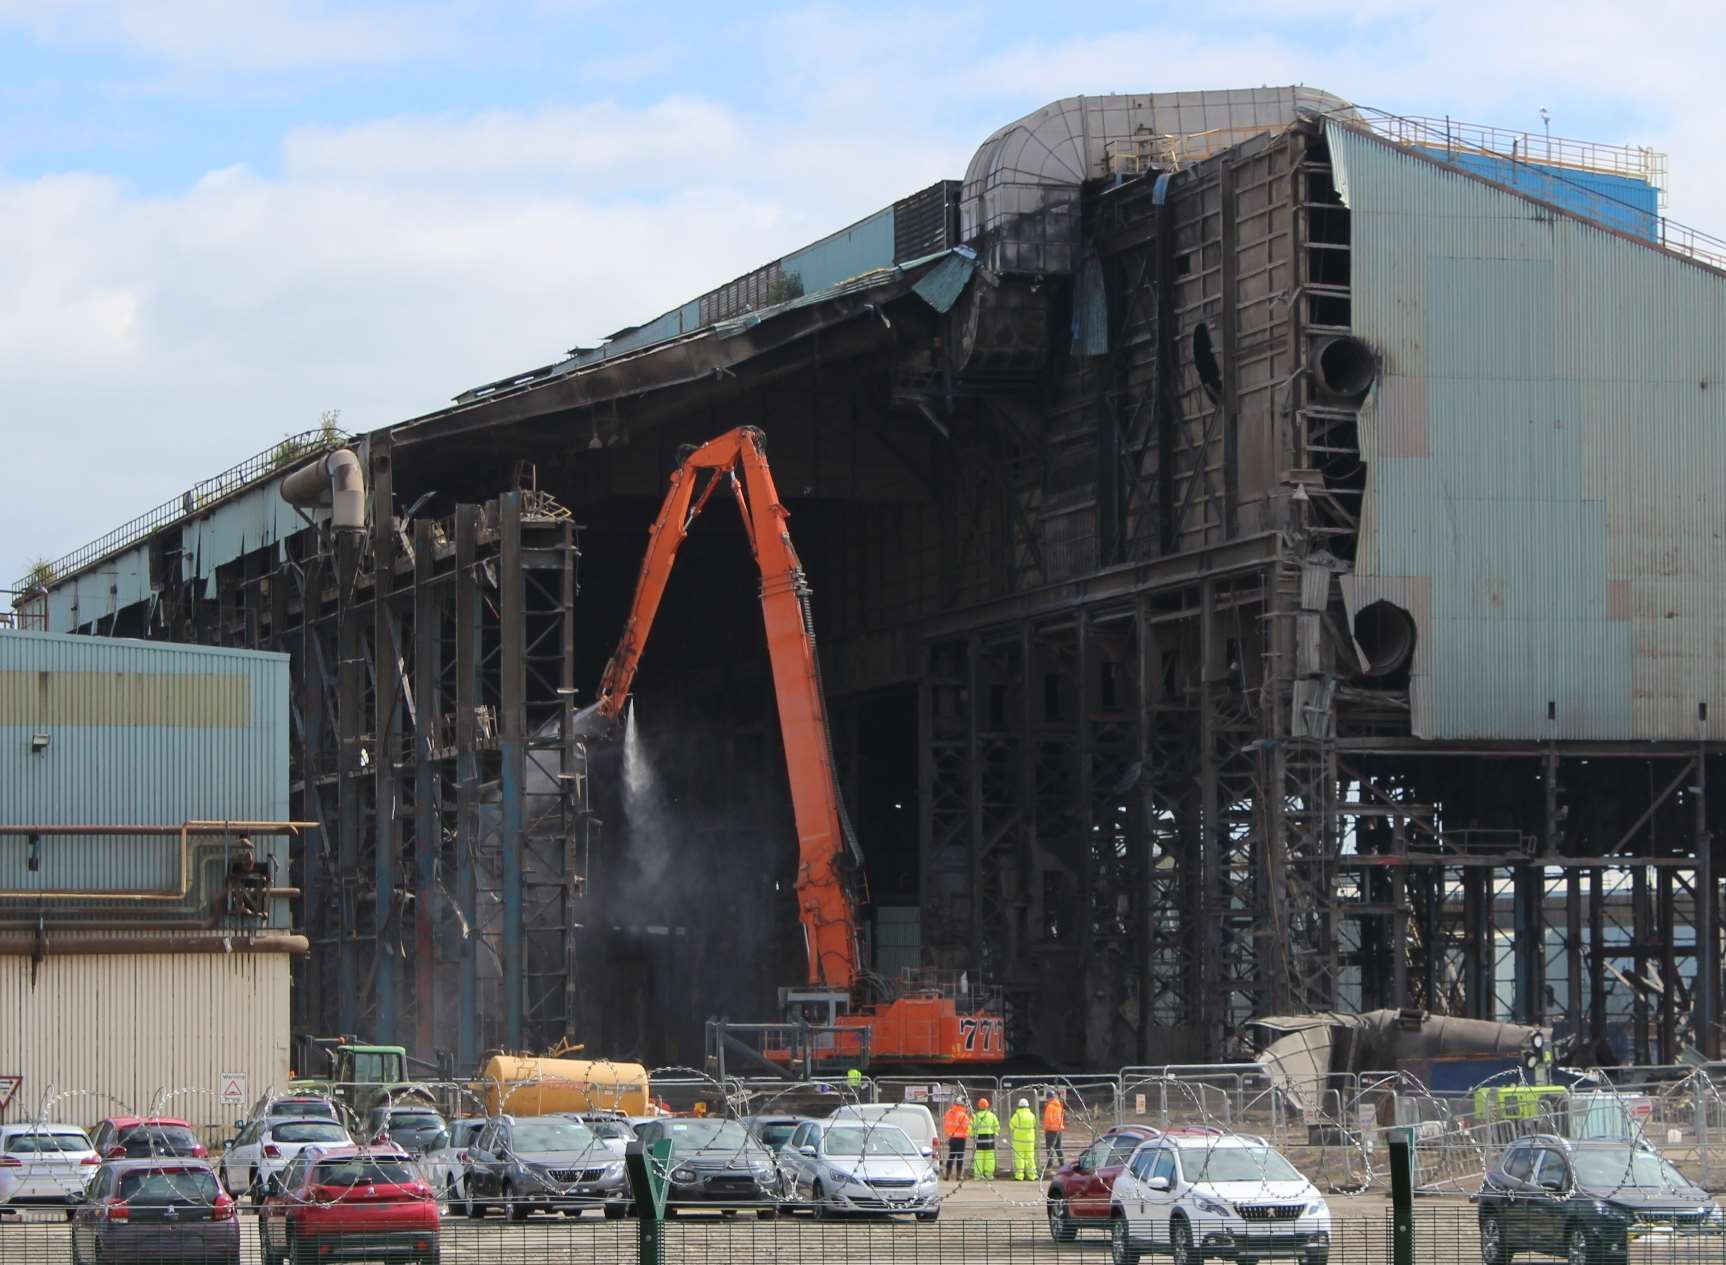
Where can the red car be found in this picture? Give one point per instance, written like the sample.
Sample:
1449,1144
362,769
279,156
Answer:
349,1203
1079,1192
145,1137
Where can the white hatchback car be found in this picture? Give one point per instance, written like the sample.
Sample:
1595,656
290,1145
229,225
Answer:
1203,1193
44,1164
266,1147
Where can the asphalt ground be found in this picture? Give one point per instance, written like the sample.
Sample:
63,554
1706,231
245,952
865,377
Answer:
1003,1221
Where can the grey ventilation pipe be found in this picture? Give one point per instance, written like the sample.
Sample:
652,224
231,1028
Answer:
1344,366
333,480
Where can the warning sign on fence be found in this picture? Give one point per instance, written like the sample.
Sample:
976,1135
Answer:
8,1087
231,1088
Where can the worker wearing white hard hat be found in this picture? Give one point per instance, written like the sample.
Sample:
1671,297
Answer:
1023,1128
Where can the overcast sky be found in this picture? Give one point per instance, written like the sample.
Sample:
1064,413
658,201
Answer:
220,217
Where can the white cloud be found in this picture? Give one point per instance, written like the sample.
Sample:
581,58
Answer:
147,341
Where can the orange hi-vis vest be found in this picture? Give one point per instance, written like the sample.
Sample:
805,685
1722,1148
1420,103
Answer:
1054,1116
957,1122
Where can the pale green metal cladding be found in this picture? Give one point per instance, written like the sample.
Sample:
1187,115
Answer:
1543,449
108,731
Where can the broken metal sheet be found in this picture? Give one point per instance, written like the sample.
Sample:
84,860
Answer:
942,285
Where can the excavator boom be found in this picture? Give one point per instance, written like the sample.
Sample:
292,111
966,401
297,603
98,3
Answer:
825,904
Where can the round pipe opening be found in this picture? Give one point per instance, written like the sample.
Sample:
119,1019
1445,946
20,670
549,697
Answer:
1345,367
1385,634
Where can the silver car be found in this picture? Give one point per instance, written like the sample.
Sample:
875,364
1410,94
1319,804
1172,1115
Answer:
44,1164
839,1166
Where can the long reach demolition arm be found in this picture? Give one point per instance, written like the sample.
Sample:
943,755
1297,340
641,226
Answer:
824,899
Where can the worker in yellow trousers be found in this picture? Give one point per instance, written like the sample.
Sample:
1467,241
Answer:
1023,1126
984,1126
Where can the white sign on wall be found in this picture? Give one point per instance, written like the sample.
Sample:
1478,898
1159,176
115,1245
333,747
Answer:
231,1088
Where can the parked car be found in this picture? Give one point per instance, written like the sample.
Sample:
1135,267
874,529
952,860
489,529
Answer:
155,1210
349,1203
265,1147
913,1118
847,1165
445,1165
1587,1201
413,1128
1205,1193
292,1107
132,1137
1080,1191
610,1127
714,1164
44,1164
543,1163
773,1132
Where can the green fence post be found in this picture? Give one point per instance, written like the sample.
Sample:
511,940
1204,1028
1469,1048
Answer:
1401,1197
649,1183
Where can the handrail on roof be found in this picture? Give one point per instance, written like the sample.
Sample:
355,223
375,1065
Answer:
281,456
1446,137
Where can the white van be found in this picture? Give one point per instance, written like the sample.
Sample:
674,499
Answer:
913,1118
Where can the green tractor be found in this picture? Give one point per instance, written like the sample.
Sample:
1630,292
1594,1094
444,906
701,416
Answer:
358,1076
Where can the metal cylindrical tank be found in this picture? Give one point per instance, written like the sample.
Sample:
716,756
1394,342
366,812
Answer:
537,1086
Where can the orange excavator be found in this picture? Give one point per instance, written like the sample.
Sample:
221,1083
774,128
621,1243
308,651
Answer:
924,1020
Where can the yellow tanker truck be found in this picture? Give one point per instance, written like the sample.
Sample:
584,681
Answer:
521,1085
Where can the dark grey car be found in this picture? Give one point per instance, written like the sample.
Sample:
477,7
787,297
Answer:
1588,1201
715,1164
543,1163
155,1210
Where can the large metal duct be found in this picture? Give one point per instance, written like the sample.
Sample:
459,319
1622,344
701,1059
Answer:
1305,1052
1020,202
333,480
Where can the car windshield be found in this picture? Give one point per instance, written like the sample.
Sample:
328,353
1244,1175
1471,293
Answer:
1241,1164
37,1143
552,1135
774,1135
303,1109
424,1122
357,1170
168,1185
159,1135
308,1131
705,1135
1608,1168
863,1140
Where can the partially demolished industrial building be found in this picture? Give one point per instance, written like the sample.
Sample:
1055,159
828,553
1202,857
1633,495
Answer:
1264,560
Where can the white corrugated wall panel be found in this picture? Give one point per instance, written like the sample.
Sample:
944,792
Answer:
115,1034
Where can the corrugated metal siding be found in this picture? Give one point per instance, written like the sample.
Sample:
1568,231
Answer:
1542,448
138,733
145,1032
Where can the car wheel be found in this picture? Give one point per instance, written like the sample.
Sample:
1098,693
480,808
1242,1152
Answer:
819,1197
1181,1249
1121,1249
1493,1248
766,1214
1578,1249
474,1208
435,1257
934,1214
1061,1227
516,1208
1318,1256
615,1212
